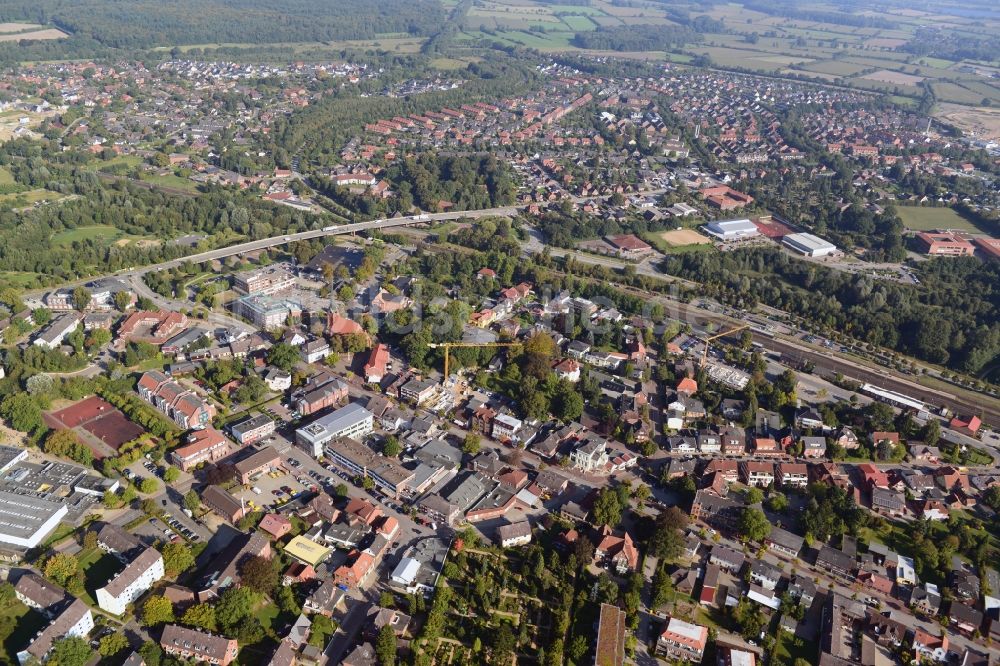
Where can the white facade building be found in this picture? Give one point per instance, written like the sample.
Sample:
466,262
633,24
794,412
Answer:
131,583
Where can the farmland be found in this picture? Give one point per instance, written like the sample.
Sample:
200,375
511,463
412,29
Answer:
869,58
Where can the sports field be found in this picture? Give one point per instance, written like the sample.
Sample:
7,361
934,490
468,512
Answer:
928,218
680,237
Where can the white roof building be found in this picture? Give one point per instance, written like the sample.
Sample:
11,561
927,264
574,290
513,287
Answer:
405,572
809,245
730,230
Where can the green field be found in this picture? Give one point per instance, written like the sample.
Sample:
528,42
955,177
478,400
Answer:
130,161
927,218
176,182
18,624
579,23
95,232
29,197
19,280
6,177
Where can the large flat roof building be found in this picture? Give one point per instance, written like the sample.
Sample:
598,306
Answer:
26,520
732,230
947,244
391,477
809,245
351,420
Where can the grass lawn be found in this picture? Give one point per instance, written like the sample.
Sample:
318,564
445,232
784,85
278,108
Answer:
29,197
173,181
448,63
790,647
62,531
19,279
18,624
95,232
129,161
98,567
927,218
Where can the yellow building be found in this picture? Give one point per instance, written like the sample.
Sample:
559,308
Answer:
306,551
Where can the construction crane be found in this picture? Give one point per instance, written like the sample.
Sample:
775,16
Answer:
448,345
708,340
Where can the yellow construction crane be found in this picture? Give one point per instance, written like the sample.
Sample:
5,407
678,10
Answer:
448,345
708,340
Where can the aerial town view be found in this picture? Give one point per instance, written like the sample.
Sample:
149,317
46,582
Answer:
502,332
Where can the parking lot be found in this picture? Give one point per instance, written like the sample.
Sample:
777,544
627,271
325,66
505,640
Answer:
271,490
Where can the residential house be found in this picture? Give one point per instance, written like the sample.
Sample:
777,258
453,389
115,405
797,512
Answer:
682,641
198,645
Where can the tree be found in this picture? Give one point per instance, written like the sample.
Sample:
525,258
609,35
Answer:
191,501
283,356
177,558
667,539
504,644
391,448
202,616
932,432
70,651
753,525
567,403
777,502
750,618
64,443
61,567
471,444
607,508
157,610
90,540
151,653
112,644
171,474
22,412
285,599
234,607
122,300
322,628
385,646
341,490
81,298
148,486
753,495
259,574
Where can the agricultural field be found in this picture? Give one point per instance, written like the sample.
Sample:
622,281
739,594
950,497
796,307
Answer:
12,32
928,218
981,121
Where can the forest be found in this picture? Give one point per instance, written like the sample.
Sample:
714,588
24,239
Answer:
564,228
636,38
436,182
952,318
140,24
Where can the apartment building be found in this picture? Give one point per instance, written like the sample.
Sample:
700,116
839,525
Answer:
137,577
182,406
